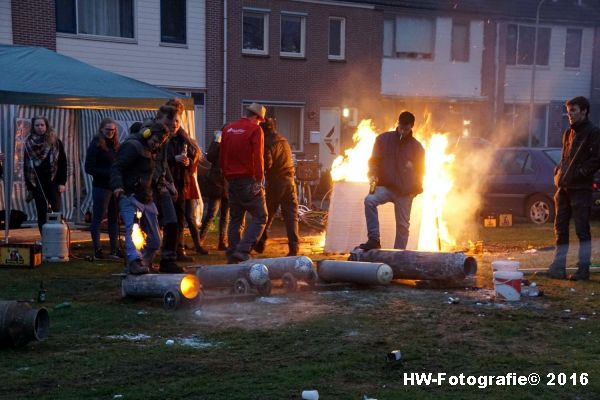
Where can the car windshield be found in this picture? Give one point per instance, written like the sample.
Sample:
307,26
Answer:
554,155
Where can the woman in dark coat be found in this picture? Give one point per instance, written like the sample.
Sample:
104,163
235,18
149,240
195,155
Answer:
214,193
45,167
98,161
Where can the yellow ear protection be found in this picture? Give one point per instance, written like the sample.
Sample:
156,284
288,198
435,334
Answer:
146,133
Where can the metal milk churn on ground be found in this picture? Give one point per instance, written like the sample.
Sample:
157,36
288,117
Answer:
55,239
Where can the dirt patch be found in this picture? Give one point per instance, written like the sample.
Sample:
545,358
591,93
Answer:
263,312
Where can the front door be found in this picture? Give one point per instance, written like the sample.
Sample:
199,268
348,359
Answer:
329,145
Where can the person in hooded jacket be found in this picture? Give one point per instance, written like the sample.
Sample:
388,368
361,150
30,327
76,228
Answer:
280,187
573,177
131,180
396,170
99,158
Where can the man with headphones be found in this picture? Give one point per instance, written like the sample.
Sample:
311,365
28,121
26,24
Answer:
131,182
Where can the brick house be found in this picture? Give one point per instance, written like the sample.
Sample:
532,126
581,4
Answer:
306,61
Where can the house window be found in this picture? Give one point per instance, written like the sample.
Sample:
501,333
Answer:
337,38
101,17
255,32
409,37
173,21
293,28
460,41
520,43
573,48
289,119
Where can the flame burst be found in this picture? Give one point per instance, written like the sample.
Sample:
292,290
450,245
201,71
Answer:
437,183
354,164
137,235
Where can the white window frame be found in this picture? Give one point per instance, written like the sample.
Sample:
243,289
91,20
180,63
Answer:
107,38
342,55
265,14
410,55
302,51
580,48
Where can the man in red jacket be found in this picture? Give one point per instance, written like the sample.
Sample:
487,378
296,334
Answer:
243,168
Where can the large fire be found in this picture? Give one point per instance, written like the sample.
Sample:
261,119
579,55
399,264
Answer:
437,183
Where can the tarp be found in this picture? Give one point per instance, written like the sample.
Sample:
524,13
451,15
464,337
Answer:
74,96
38,76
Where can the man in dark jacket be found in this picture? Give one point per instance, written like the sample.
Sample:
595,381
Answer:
131,182
280,187
573,178
396,170
243,167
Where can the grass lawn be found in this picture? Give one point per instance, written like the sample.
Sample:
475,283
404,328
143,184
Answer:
333,339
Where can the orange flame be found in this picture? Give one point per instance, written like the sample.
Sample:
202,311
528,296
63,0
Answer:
354,164
137,235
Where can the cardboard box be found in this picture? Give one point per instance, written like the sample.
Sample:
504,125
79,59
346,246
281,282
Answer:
490,221
20,255
505,220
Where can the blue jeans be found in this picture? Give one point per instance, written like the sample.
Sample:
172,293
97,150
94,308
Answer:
104,203
402,206
212,205
576,204
148,224
242,200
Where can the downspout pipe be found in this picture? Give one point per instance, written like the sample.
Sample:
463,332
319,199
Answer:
224,62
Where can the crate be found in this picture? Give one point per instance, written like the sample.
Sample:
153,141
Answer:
20,255
308,170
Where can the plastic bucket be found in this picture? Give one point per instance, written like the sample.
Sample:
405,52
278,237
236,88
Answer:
508,285
505,265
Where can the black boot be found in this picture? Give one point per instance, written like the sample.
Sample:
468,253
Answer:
293,250
136,267
556,272
259,246
170,267
582,273
370,245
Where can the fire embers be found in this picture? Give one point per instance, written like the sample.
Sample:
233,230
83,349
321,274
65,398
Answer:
137,235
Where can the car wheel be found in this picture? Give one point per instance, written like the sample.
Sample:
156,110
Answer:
540,209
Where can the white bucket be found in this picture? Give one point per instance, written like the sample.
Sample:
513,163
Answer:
505,265
508,285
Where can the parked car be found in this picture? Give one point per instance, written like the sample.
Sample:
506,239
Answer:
521,181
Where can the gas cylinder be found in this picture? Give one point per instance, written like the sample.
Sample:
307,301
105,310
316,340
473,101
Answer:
55,243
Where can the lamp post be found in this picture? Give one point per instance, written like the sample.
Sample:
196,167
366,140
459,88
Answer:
533,68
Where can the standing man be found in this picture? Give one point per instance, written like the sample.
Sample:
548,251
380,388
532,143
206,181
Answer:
281,188
573,178
396,170
131,183
242,165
